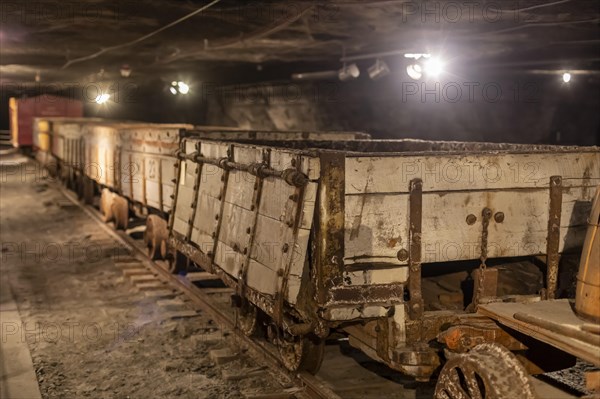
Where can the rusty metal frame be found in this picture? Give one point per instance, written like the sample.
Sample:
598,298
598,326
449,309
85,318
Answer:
177,166
242,287
329,224
144,194
194,204
298,198
161,204
377,294
553,238
225,182
416,304
117,169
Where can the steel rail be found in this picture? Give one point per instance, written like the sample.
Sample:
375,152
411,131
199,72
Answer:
314,387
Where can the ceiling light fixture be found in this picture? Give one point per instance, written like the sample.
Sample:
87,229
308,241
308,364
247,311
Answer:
566,77
414,71
378,70
183,87
179,87
102,98
125,70
434,67
349,72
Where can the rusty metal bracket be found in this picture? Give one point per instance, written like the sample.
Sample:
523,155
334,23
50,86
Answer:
297,198
329,223
177,167
416,304
242,286
225,181
195,196
552,240
486,215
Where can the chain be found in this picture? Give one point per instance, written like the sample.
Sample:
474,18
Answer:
485,222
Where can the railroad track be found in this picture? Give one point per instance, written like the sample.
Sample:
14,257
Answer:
203,299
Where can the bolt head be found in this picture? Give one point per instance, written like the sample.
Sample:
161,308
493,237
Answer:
402,255
499,217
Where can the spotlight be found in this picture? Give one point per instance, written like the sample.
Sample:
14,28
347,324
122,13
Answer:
566,77
378,70
349,72
183,88
125,70
179,88
102,98
434,67
414,71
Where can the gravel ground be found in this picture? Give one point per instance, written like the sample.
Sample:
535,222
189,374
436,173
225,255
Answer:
89,332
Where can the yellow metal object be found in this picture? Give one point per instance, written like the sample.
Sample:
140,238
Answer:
14,123
44,135
587,295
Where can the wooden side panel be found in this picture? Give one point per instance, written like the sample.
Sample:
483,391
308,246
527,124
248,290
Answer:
185,196
376,225
208,205
168,171
468,172
152,174
137,181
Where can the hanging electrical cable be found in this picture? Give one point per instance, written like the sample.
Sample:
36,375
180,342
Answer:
130,43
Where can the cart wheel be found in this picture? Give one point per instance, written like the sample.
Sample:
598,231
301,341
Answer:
106,201
120,210
156,233
488,371
247,318
178,262
301,353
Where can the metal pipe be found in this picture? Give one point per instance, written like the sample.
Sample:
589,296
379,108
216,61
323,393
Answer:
370,56
320,75
291,176
553,238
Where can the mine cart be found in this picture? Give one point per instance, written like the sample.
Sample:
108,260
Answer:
409,247
58,143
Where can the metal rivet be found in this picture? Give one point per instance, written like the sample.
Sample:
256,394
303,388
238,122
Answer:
499,217
471,219
402,255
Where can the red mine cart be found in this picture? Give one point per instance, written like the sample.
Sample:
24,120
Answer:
23,110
